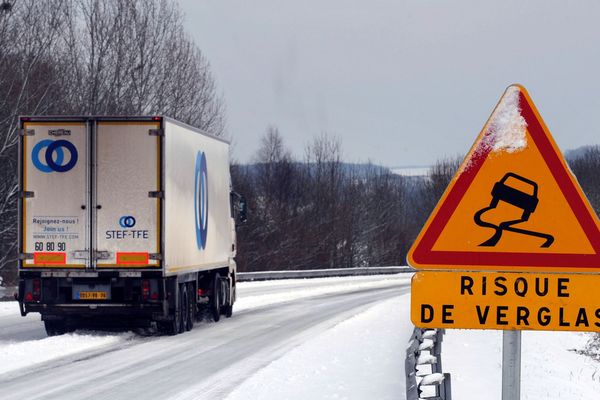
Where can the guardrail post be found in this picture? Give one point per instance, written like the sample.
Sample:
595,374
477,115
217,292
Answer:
446,388
424,377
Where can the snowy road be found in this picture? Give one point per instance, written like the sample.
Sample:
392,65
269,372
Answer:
271,320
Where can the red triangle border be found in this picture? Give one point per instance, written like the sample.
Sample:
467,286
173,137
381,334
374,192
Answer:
424,255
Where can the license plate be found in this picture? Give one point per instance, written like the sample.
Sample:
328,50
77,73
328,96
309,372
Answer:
96,291
93,295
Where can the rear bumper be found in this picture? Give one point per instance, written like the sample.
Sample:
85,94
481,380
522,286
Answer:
93,310
58,297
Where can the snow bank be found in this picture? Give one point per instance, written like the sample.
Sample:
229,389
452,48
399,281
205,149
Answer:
361,358
18,355
550,369
9,308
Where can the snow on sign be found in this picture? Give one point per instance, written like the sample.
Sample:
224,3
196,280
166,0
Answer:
507,301
513,204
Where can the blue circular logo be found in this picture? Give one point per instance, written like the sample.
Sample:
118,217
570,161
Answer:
54,155
201,200
127,221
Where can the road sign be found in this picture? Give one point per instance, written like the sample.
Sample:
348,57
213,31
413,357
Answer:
513,205
515,301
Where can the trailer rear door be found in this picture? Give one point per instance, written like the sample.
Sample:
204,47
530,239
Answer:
54,195
127,194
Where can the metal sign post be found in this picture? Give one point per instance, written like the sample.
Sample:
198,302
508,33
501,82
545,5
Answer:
511,365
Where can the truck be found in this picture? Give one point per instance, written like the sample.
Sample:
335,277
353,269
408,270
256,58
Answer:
125,221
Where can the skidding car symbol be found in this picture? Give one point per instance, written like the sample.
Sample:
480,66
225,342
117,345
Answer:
528,202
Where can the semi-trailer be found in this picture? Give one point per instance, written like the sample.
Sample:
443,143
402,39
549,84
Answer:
126,221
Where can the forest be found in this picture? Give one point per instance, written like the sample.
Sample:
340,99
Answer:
80,57
320,212
119,57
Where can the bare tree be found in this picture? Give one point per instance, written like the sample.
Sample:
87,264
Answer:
29,37
586,168
137,59
274,189
95,57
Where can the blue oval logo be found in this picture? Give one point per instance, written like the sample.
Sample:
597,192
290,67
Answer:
201,200
127,221
54,155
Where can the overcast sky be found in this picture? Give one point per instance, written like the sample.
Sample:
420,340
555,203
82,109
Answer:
400,82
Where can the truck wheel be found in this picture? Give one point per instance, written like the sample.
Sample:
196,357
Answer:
55,327
173,327
228,308
185,309
215,301
191,307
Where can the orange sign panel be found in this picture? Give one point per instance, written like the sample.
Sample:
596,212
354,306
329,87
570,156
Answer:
513,204
49,258
508,300
132,258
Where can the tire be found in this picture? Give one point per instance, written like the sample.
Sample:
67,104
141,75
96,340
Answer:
173,327
227,310
215,301
184,303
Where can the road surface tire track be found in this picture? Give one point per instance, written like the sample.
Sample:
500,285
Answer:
207,362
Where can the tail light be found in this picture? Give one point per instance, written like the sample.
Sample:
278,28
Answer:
37,289
145,289
200,292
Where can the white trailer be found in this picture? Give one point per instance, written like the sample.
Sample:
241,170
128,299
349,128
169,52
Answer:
124,220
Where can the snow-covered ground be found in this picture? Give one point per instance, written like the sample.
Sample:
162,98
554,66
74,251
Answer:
327,338
357,359
550,368
18,355
321,338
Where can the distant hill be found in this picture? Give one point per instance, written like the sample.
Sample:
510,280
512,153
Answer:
412,171
580,151
359,170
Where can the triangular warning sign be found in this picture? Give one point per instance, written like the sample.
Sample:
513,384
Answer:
513,204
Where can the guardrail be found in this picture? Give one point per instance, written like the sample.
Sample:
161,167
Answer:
319,273
424,376
7,293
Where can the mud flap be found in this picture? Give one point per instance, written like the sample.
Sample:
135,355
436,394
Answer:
19,297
